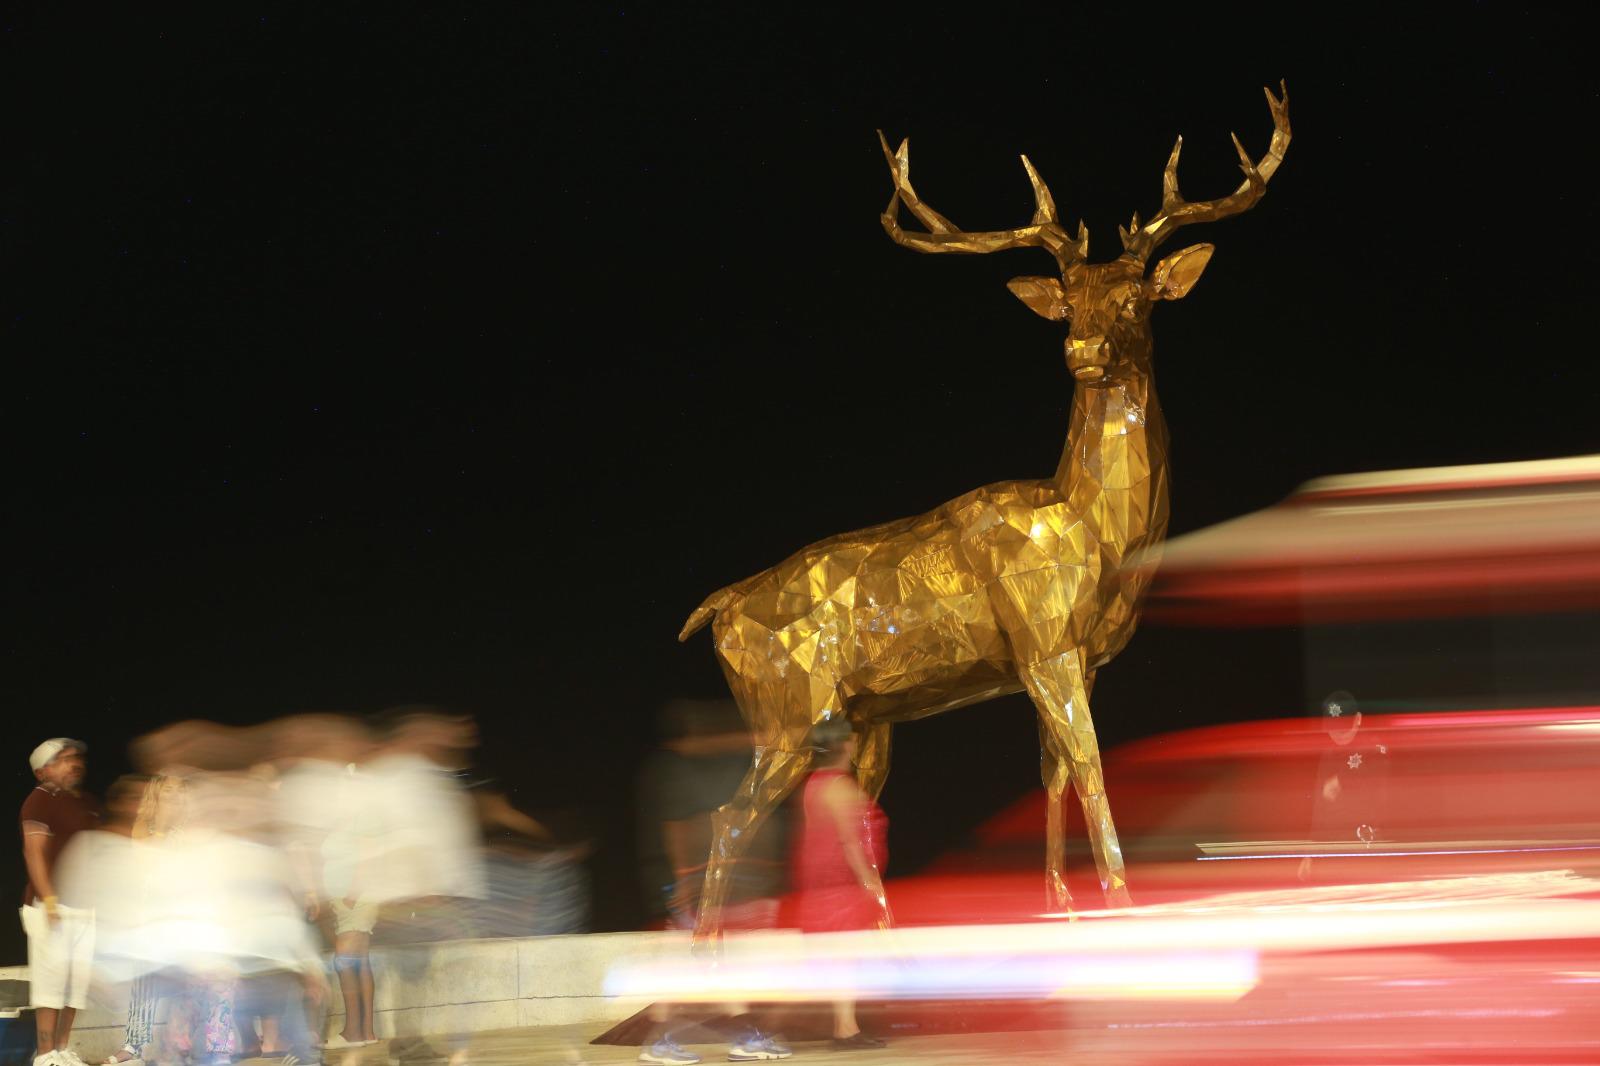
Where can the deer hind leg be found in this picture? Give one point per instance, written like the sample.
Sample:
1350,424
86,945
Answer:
781,761
1059,687
772,775
872,760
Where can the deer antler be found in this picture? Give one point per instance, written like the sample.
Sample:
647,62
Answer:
943,236
1175,211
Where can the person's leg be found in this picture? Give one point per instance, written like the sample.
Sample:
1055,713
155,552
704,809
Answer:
457,922
662,1049
749,1043
309,1011
847,1034
844,1010
165,993
353,963
279,1001
369,1028
844,1019
364,919
436,919
271,1035
42,996
248,1038
177,1035
257,1010
221,1038
399,925
76,929
136,1030
659,1014
64,1019
44,1023
189,1017
246,1009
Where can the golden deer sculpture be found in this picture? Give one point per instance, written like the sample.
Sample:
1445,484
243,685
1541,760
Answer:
1019,585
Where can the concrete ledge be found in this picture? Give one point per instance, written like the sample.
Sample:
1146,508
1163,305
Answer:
458,986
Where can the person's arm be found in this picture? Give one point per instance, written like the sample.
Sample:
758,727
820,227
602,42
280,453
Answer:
496,811
35,838
844,802
304,874
144,818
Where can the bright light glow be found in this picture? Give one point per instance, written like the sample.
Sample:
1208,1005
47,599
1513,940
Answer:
1009,962
1120,955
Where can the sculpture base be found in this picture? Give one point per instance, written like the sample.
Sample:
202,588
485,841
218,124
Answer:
696,1024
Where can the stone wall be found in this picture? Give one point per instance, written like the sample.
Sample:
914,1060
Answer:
452,986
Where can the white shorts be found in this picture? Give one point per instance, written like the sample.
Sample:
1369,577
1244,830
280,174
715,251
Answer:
60,954
358,919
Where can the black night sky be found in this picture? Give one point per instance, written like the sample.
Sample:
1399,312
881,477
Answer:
455,356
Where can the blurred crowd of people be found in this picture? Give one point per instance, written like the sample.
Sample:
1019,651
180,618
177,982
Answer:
211,886
208,888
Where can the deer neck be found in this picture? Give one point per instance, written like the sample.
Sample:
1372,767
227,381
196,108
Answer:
1113,470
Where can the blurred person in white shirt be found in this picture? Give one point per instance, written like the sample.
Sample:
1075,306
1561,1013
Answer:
106,868
332,821
428,864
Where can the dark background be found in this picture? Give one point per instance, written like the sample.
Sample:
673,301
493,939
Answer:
457,355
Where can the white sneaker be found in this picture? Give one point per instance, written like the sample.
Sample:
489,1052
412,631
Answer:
666,1052
49,1058
68,1057
756,1046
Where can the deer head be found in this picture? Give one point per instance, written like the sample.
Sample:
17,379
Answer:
1107,305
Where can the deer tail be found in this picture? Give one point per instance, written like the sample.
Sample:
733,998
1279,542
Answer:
706,611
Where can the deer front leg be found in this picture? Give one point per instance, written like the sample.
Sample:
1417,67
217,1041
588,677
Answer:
1054,770
772,775
872,759
1059,687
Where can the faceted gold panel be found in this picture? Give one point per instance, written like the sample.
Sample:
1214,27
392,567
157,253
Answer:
1016,586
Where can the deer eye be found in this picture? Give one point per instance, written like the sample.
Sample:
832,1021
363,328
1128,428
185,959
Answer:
1131,308
1064,312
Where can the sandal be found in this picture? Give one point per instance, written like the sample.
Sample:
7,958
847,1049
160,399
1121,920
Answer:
124,1054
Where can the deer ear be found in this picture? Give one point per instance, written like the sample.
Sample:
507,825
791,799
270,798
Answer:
1176,274
1044,296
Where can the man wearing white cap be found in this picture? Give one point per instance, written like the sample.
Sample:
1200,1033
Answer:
60,937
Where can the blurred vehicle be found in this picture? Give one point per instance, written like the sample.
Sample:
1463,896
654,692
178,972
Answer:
1347,886
1233,808
1407,887
1497,538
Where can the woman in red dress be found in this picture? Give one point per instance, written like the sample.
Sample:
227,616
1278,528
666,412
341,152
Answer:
838,853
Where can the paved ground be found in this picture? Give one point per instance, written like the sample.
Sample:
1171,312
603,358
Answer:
570,1044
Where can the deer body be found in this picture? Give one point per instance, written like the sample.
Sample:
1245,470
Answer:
1016,586
925,610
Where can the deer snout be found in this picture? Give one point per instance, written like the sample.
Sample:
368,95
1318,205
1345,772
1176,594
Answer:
1088,357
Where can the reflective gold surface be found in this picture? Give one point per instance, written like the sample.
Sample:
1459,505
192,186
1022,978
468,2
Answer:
1015,586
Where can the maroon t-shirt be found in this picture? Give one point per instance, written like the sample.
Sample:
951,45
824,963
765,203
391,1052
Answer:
63,814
